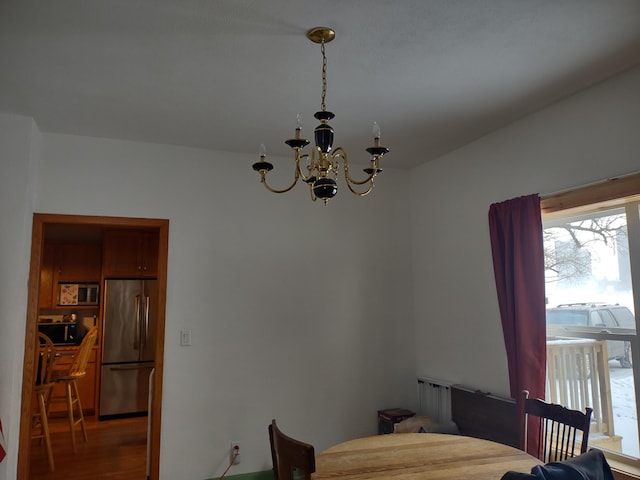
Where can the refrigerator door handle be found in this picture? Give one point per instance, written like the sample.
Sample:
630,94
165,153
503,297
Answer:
146,321
136,333
128,367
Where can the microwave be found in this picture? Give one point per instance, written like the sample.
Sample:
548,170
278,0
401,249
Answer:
60,333
78,293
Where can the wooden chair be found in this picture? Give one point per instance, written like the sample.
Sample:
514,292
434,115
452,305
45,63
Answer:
289,454
45,354
76,371
560,430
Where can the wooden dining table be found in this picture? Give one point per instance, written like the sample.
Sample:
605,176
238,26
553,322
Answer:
420,456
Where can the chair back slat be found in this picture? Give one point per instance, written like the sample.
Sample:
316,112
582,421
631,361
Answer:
45,356
562,433
290,455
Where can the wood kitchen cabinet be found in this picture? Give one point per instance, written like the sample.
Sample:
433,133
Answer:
130,253
70,263
47,288
86,385
79,262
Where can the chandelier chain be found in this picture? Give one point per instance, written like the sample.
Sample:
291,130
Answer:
324,77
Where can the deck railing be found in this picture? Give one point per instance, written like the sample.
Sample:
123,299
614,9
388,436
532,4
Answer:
578,377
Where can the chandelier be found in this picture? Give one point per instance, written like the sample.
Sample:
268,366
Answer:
322,165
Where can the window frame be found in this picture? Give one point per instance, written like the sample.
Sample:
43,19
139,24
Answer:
614,191
624,192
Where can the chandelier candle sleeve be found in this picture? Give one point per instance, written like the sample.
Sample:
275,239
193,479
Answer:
263,166
319,168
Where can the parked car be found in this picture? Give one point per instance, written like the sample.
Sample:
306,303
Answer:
603,316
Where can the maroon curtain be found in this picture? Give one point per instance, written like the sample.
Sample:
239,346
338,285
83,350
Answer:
518,264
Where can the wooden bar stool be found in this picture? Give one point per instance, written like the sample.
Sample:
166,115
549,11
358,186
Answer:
45,354
76,371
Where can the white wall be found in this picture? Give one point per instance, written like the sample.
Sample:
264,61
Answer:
586,138
18,148
299,311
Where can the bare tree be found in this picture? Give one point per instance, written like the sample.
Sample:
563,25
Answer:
567,254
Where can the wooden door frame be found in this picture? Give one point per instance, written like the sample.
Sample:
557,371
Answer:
37,245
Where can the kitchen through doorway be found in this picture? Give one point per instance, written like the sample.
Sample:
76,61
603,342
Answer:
143,241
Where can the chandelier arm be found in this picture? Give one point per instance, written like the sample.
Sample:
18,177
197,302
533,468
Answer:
361,194
352,181
296,175
263,180
310,167
341,152
313,197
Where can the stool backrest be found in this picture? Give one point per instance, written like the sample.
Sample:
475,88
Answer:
45,356
80,360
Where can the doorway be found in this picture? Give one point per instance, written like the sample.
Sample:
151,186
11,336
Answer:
46,223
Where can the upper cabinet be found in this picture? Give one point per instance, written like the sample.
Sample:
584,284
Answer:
67,263
79,262
130,253
47,286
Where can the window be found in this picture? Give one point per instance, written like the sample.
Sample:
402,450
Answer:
592,276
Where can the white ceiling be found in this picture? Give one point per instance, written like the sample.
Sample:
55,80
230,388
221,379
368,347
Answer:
231,74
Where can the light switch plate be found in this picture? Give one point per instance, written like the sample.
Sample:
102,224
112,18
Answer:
185,337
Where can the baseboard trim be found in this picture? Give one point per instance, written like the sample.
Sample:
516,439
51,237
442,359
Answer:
265,475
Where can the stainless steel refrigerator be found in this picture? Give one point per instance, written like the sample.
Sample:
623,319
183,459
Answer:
128,353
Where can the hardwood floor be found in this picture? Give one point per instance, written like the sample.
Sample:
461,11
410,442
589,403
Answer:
116,449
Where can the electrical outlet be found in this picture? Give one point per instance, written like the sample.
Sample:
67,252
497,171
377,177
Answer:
234,453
